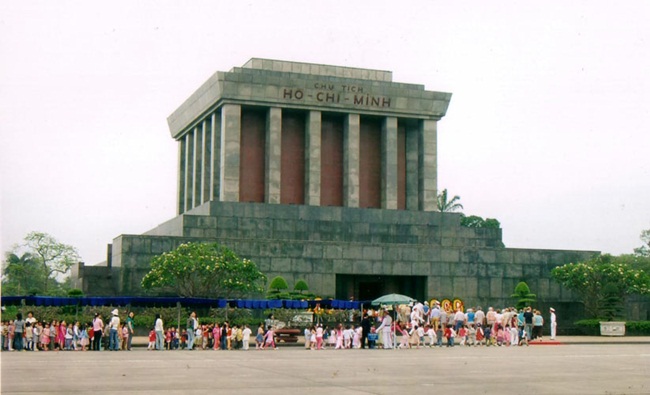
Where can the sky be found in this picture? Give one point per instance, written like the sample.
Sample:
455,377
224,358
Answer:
547,130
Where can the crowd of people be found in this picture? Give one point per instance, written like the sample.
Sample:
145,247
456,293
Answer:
29,334
412,327
429,326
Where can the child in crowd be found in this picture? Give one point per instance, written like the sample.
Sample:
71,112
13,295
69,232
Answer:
450,335
523,337
152,340
514,336
307,335
499,335
37,332
404,339
489,336
124,336
29,337
480,335
91,333
246,337
331,339
439,335
356,338
312,338
45,337
84,340
61,334
420,333
259,338
206,337
183,339
326,336
372,338
68,337
10,335
269,339
431,334
347,337
176,340
3,335
216,334
462,335
76,335
54,326
506,336
168,339
339,337
471,335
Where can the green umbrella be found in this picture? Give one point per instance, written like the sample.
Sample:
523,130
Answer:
393,299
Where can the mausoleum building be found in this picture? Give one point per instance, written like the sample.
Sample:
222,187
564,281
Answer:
327,174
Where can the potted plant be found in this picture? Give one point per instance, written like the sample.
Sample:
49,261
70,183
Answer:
611,307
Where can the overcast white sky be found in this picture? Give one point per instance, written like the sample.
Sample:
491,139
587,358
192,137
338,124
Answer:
547,130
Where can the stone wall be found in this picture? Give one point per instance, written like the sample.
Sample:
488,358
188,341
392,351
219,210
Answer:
316,243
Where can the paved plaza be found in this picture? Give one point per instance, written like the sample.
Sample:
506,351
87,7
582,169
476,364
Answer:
573,368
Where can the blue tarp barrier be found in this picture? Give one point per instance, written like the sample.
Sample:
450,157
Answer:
97,301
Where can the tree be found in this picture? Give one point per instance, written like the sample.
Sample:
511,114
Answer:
611,305
447,206
644,250
589,279
523,295
474,221
204,270
301,286
277,289
278,284
21,275
36,266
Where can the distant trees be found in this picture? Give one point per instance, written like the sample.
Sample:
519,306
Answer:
644,250
601,280
37,266
474,221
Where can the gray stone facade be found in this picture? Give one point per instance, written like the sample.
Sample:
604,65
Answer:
319,243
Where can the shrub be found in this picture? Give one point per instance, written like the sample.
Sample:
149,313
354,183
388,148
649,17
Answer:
591,327
301,285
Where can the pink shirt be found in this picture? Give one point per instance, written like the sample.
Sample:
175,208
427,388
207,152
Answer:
98,324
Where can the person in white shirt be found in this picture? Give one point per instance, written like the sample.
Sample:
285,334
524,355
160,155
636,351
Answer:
385,329
246,337
192,326
114,326
553,323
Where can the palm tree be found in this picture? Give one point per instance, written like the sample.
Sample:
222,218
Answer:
447,206
21,275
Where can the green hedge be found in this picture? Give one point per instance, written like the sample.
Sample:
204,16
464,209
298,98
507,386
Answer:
591,327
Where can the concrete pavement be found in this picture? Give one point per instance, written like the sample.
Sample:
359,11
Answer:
571,368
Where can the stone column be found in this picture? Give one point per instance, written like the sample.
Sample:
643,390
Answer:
312,158
189,160
273,155
230,152
389,163
215,153
206,154
351,132
180,204
412,155
197,169
427,163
